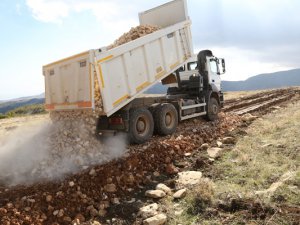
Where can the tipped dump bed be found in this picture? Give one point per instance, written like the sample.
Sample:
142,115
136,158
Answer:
124,72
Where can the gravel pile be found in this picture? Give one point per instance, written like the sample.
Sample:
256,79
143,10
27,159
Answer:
133,34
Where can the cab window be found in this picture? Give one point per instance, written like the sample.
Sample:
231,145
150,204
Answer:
213,66
192,66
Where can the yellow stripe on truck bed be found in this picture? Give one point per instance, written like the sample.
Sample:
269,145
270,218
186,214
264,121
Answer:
120,100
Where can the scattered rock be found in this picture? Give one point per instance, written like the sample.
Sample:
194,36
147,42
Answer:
214,152
156,174
204,146
67,219
102,212
180,193
171,169
49,198
27,209
228,140
178,212
55,213
111,188
155,193
164,188
115,201
219,144
149,210
189,178
248,117
92,172
71,183
159,219
60,213
79,217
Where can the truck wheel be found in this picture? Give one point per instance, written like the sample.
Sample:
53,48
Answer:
213,109
166,119
141,126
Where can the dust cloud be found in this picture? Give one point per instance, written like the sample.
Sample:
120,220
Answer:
49,151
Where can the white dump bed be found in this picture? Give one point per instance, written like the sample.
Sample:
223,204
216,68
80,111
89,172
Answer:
126,71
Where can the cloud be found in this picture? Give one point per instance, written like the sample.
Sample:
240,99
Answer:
49,10
268,29
55,11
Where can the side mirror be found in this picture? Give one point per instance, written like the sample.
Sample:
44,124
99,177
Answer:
223,65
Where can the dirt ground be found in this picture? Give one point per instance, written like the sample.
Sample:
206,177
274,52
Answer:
116,189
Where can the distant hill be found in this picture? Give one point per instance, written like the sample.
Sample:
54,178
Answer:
8,105
265,81
258,82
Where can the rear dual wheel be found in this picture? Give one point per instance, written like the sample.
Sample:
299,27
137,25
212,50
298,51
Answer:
142,123
165,119
141,126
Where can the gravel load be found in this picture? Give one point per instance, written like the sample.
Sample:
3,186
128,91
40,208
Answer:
133,34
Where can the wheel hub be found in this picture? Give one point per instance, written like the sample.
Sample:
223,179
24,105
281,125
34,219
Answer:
215,109
141,125
168,119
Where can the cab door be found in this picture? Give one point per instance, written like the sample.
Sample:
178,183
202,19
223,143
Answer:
213,73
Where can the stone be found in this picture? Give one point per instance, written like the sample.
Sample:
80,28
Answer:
219,144
180,193
228,140
27,209
159,219
204,146
60,213
171,169
214,152
49,198
55,213
155,193
115,201
102,212
95,223
149,210
248,117
80,217
178,212
163,188
67,219
92,172
71,183
111,188
156,174
188,178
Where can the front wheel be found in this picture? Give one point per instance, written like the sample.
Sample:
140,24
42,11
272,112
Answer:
213,109
141,126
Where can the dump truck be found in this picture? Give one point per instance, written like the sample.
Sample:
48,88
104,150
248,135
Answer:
125,72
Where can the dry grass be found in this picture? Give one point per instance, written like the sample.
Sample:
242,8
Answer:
262,173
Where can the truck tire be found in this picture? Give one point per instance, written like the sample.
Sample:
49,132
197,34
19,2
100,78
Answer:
165,119
213,109
141,126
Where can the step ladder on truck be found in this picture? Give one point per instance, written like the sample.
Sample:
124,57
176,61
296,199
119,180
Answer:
125,72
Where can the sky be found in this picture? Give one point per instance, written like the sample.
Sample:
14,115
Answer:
254,36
